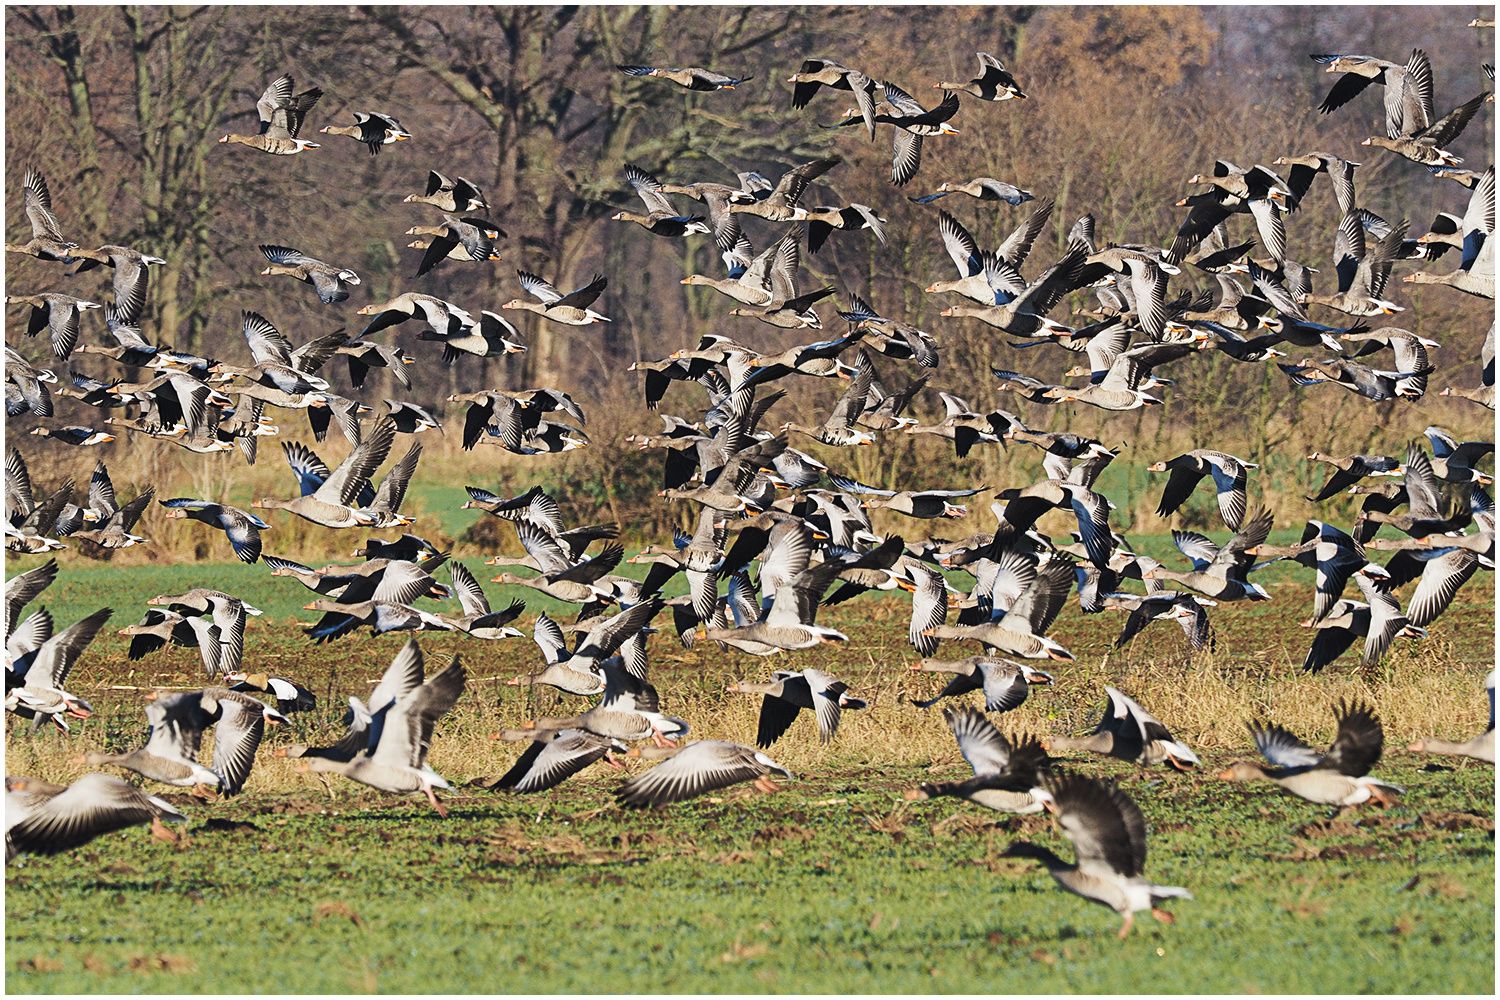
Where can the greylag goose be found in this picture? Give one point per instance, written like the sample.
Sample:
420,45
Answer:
912,122
26,387
46,241
1306,168
661,218
770,277
983,188
839,430
118,522
554,757
790,623
1188,610
571,308
1350,470
1005,771
1109,834
382,616
1339,778
395,758
1229,476
1005,683
23,588
1220,572
478,620
781,204
1025,314
790,691
992,84
822,220
288,694
560,577
1129,732
401,677
226,611
1406,87
56,313
450,195
35,676
581,671
371,128
330,282
242,528
281,117
445,318
791,314
693,78
1022,630
1424,143
1481,747
330,504
43,818
827,73
629,711
177,725
690,771
82,437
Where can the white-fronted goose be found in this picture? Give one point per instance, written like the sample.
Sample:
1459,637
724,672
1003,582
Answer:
1005,771
1229,474
690,771
371,128
395,758
790,623
629,711
331,282
790,691
827,73
1424,144
913,503
992,84
281,117
1109,834
1129,732
444,317
81,437
56,313
1339,778
1188,610
46,241
242,528
43,818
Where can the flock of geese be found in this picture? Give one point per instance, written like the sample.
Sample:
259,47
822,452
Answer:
761,501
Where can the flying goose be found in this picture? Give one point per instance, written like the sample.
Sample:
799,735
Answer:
46,241
56,313
827,73
912,122
450,195
554,757
1229,476
571,308
1005,683
693,78
1481,747
34,679
1109,834
661,218
400,733
788,692
330,282
1339,778
992,84
1005,770
371,128
242,528
43,818
1129,732
281,117
690,771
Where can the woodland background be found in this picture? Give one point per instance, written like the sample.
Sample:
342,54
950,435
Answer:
120,107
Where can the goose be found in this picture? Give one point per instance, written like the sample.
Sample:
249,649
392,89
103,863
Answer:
1167,605
1363,271
629,711
228,612
913,503
573,583
1334,555
571,309
692,770
1477,280
26,388
1005,771
1219,573
661,218
1005,683
330,282
82,437
474,235
1120,388
1481,747
1354,376
992,84
492,337
1304,169
288,694
1425,516
839,430
46,241
43,818
1378,620
118,522
281,117
402,676
242,528
1424,143
1229,476
827,73
554,756
34,679
1408,88
445,318
1091,510
1339,778
1129,732
770,276
581,671
781,204
912,122
1452,461
1351,469
177,725
130,347
983,188
1109,834
382,616
892,338
371,128
1025,314
822,220
400,733
790,621
450,195
693,78
329,504
788,692
56,313
1022,630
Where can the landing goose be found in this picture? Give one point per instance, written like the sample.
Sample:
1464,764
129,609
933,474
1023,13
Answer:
43,818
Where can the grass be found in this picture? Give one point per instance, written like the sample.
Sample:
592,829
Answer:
834,885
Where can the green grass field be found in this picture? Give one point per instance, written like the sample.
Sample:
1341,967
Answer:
836,884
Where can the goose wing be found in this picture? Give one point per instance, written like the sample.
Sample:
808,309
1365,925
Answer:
982,745
1104,824
699,767
407,731
94,804
1358,743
